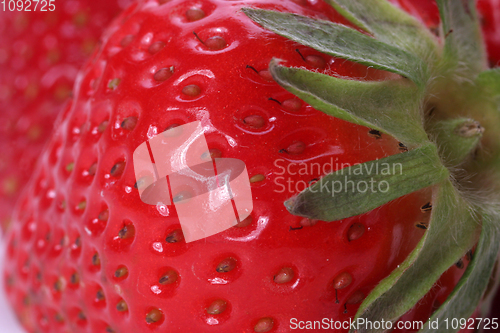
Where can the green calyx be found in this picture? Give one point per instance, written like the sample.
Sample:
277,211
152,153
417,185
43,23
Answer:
444,109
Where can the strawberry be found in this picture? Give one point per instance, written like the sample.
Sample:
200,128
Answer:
490,11
40,55
86,254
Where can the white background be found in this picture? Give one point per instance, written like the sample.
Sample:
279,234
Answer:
8,321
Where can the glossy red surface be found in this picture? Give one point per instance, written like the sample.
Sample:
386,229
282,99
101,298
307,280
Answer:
86,254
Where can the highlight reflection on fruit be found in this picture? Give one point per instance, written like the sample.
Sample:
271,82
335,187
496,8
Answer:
369,136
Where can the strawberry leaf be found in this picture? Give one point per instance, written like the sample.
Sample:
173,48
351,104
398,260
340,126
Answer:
452,232
382,19
463,37
392,107
339,195
464,299
343,42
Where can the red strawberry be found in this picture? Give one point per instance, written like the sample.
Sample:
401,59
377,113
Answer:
85,254
490,11
40,55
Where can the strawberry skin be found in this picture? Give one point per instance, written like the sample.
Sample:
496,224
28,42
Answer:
40,55
490,11
85,254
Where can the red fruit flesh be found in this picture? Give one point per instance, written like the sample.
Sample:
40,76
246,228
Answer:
40,55
85,254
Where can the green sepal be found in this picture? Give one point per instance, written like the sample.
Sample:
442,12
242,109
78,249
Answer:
392,107
457,139
343,194
389,24
468,292
490,80
464,45
343,42
452,231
